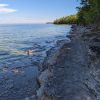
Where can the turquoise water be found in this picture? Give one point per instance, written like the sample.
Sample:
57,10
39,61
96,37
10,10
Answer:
16,40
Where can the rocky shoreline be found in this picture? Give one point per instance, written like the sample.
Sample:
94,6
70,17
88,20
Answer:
71,69
19,72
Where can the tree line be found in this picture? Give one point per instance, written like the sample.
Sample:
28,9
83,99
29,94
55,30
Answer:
72,19
88,13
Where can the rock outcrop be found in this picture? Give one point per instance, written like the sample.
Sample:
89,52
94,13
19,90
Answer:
71,71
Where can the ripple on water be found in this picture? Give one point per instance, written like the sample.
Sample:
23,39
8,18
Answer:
22,50
3,53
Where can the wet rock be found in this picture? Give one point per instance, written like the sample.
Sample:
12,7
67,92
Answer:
62,42
95,49
72,67
96,39
43,78
8,84
27,98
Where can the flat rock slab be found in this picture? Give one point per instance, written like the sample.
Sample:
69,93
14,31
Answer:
71,73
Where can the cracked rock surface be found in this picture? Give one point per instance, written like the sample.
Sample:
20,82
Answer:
75,69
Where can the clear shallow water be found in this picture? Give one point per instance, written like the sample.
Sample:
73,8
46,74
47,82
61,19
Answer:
16,40
18,70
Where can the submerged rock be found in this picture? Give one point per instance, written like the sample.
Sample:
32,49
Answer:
4,53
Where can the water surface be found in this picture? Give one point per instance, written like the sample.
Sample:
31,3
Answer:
22,50
15,40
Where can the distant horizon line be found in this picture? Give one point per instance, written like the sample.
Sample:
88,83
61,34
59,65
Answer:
25,23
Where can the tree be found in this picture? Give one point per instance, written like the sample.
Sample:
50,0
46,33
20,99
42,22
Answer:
89,12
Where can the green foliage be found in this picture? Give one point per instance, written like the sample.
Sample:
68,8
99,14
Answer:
89,12
66,20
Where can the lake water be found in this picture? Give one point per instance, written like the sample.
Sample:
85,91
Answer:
16,40
22,49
